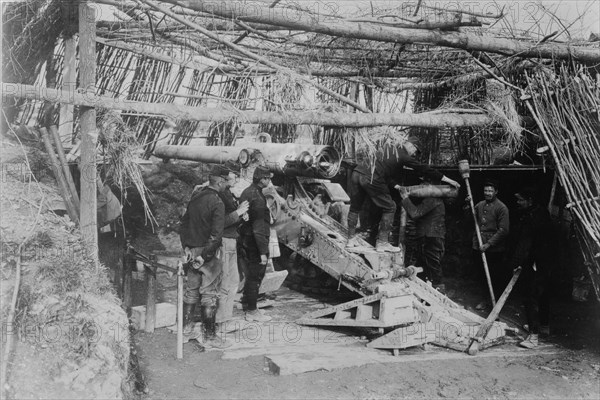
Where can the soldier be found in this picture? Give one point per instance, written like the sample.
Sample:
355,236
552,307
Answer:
493,220
532,247
375,184
201,235
254,241
429,216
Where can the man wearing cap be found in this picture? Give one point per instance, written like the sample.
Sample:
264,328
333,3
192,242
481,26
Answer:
234,215
430,220
493,220
201,236
376,183
254,241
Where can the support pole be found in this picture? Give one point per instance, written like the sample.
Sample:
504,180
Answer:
89,136
60,178
150,296
180,311
65,167
463,167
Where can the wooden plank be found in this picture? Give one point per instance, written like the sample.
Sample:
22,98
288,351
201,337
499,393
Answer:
326,358
344,306
401,338
397,310
364,312
89,136
374,323
342,315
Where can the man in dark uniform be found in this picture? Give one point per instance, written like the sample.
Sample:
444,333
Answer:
430,219
493,220
201,235
532,247
254,241
376,184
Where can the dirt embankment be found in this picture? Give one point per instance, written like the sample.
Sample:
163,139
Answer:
71,337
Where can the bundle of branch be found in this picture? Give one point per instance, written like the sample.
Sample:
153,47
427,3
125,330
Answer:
566,108
281,92
119,143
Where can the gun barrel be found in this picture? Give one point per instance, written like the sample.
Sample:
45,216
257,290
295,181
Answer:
283,158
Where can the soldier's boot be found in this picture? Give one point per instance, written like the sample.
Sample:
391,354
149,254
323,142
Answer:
209,328
385,226
530,342
352,222
188,318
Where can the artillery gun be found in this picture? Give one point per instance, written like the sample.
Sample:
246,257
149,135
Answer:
406,310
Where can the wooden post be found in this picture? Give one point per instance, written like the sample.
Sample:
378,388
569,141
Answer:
65,167
179,311
89,136
69,79
150,295
128,263
60,178
487,324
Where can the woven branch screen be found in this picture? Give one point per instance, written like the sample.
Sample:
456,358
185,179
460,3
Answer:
566,107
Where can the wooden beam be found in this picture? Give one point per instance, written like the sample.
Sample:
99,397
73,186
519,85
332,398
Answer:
89,135
303,21
456,118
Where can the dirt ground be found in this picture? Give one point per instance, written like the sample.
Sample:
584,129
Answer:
565,365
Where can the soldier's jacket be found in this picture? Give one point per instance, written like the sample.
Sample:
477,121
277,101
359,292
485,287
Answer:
203,222
388,168
232,219
429,216
255,232
493,221
533,240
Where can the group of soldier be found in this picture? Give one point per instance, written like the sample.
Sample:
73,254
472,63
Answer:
530,245
224,239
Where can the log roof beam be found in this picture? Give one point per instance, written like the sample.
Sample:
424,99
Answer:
433,119
298,20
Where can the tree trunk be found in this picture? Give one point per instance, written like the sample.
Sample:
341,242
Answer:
328,25
456,118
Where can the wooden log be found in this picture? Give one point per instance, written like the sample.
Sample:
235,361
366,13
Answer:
65,167
183,112
87,122
60,178
69,79
487,324
150,296
304,21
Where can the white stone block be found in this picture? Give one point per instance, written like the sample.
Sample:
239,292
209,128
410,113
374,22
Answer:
166,315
